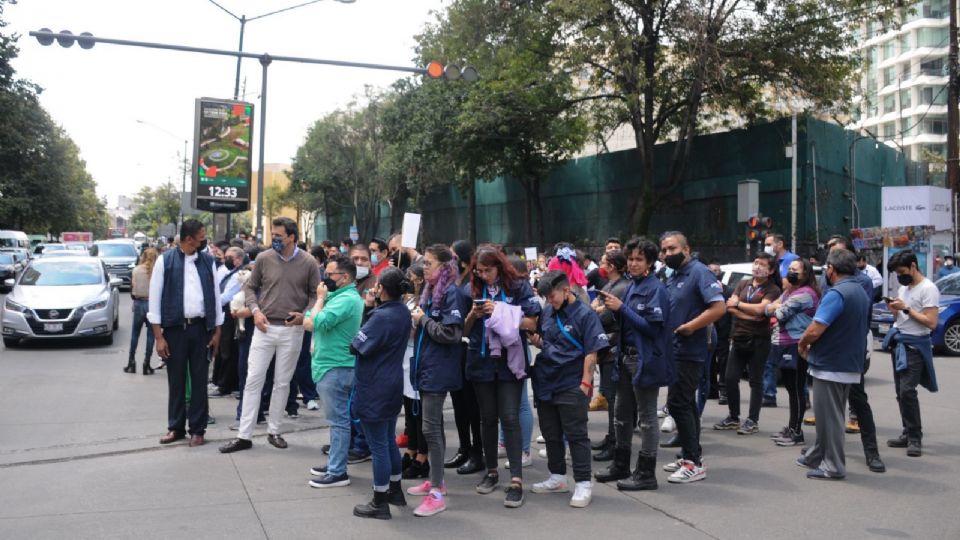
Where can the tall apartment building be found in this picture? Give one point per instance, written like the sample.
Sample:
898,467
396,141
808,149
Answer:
903,90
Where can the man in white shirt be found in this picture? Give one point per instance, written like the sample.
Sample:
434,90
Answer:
186,317
916,310
870,270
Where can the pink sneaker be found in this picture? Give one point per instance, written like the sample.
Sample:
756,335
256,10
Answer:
433,503
424,489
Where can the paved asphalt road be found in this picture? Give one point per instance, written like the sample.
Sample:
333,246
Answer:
79,458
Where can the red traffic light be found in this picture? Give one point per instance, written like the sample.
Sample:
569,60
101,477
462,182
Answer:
435,70
753,222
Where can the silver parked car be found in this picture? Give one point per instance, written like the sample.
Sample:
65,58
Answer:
61,297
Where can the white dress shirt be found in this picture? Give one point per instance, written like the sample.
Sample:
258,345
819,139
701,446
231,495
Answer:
192,290
874,275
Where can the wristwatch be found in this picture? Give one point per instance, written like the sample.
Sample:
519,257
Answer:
906,311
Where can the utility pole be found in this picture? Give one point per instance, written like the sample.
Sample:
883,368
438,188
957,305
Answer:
793,185
953,115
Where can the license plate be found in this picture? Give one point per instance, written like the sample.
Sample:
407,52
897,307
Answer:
883,328
53,327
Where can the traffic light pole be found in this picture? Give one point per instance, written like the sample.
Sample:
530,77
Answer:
265,61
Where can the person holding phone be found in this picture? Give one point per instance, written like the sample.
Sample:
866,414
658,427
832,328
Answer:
569,336
498,374
436,364
334,320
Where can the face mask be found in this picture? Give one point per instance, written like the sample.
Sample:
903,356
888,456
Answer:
203,245
603,272
769,250
330,283
668,272
760,272
343,250
793,278
948,264
674,261
375,259
362,272
277,245
905,279
229,263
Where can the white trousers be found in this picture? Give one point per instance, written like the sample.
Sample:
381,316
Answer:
284,342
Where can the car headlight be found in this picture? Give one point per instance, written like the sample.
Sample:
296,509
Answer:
99,304
10,305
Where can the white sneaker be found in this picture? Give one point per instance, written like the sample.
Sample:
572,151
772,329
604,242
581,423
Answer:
687,473
540,439
662,412
557,483
542,453
525,461
312,405
668,425
673,466
582,494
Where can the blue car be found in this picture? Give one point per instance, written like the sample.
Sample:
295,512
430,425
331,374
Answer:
947,335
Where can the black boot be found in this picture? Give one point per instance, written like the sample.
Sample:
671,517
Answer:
416,470
457,460
608,453
147,370
619,468
377,508
395,494
473,465
643,477
131,366
607,440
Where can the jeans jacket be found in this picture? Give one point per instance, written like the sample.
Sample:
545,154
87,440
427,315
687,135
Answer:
922,344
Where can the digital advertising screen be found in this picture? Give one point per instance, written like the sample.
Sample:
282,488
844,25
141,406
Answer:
221,155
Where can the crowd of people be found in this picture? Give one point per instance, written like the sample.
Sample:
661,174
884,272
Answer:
378,331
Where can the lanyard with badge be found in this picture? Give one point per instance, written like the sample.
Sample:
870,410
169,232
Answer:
483,327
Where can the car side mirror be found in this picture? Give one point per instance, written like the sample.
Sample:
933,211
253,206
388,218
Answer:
9,282
116,282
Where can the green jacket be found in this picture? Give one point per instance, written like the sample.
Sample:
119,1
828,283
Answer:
334,328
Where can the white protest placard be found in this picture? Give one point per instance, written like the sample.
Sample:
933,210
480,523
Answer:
530,253
410,230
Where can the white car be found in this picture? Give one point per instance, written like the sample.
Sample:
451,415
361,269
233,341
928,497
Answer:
61,297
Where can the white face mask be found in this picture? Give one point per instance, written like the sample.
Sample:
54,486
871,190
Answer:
770,251
362,272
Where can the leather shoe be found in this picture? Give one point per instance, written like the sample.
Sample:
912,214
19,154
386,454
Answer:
196,440
471,466
172,437
914,449
875,464
235,446
277,441
457,460
674,442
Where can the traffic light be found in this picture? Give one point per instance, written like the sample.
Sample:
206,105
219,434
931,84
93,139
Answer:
758,226
451,72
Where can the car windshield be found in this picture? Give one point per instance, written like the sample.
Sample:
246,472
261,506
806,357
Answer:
77,247
950,284
53,247
116,250
6,258
57,274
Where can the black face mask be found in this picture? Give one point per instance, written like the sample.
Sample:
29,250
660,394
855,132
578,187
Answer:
793,278
228,262
203,245
674,261
905,279
330,283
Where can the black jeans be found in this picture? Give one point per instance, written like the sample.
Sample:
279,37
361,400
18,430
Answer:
795,381
682,404
500,404
414,426
466,415
188,350
566,416
861,407
608,389
718,371
905,383
751,352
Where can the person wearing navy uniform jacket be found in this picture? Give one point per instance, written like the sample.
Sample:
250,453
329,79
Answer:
436,363
570,335
696,301
644,364
498,376
378,389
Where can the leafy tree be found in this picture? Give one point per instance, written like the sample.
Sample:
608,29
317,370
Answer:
665,67
155,207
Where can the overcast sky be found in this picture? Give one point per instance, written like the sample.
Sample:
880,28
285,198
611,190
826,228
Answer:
98,95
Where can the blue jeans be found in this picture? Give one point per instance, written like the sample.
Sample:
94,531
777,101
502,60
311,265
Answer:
770,377
303,376
140,308
334,389
526,419
382,437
